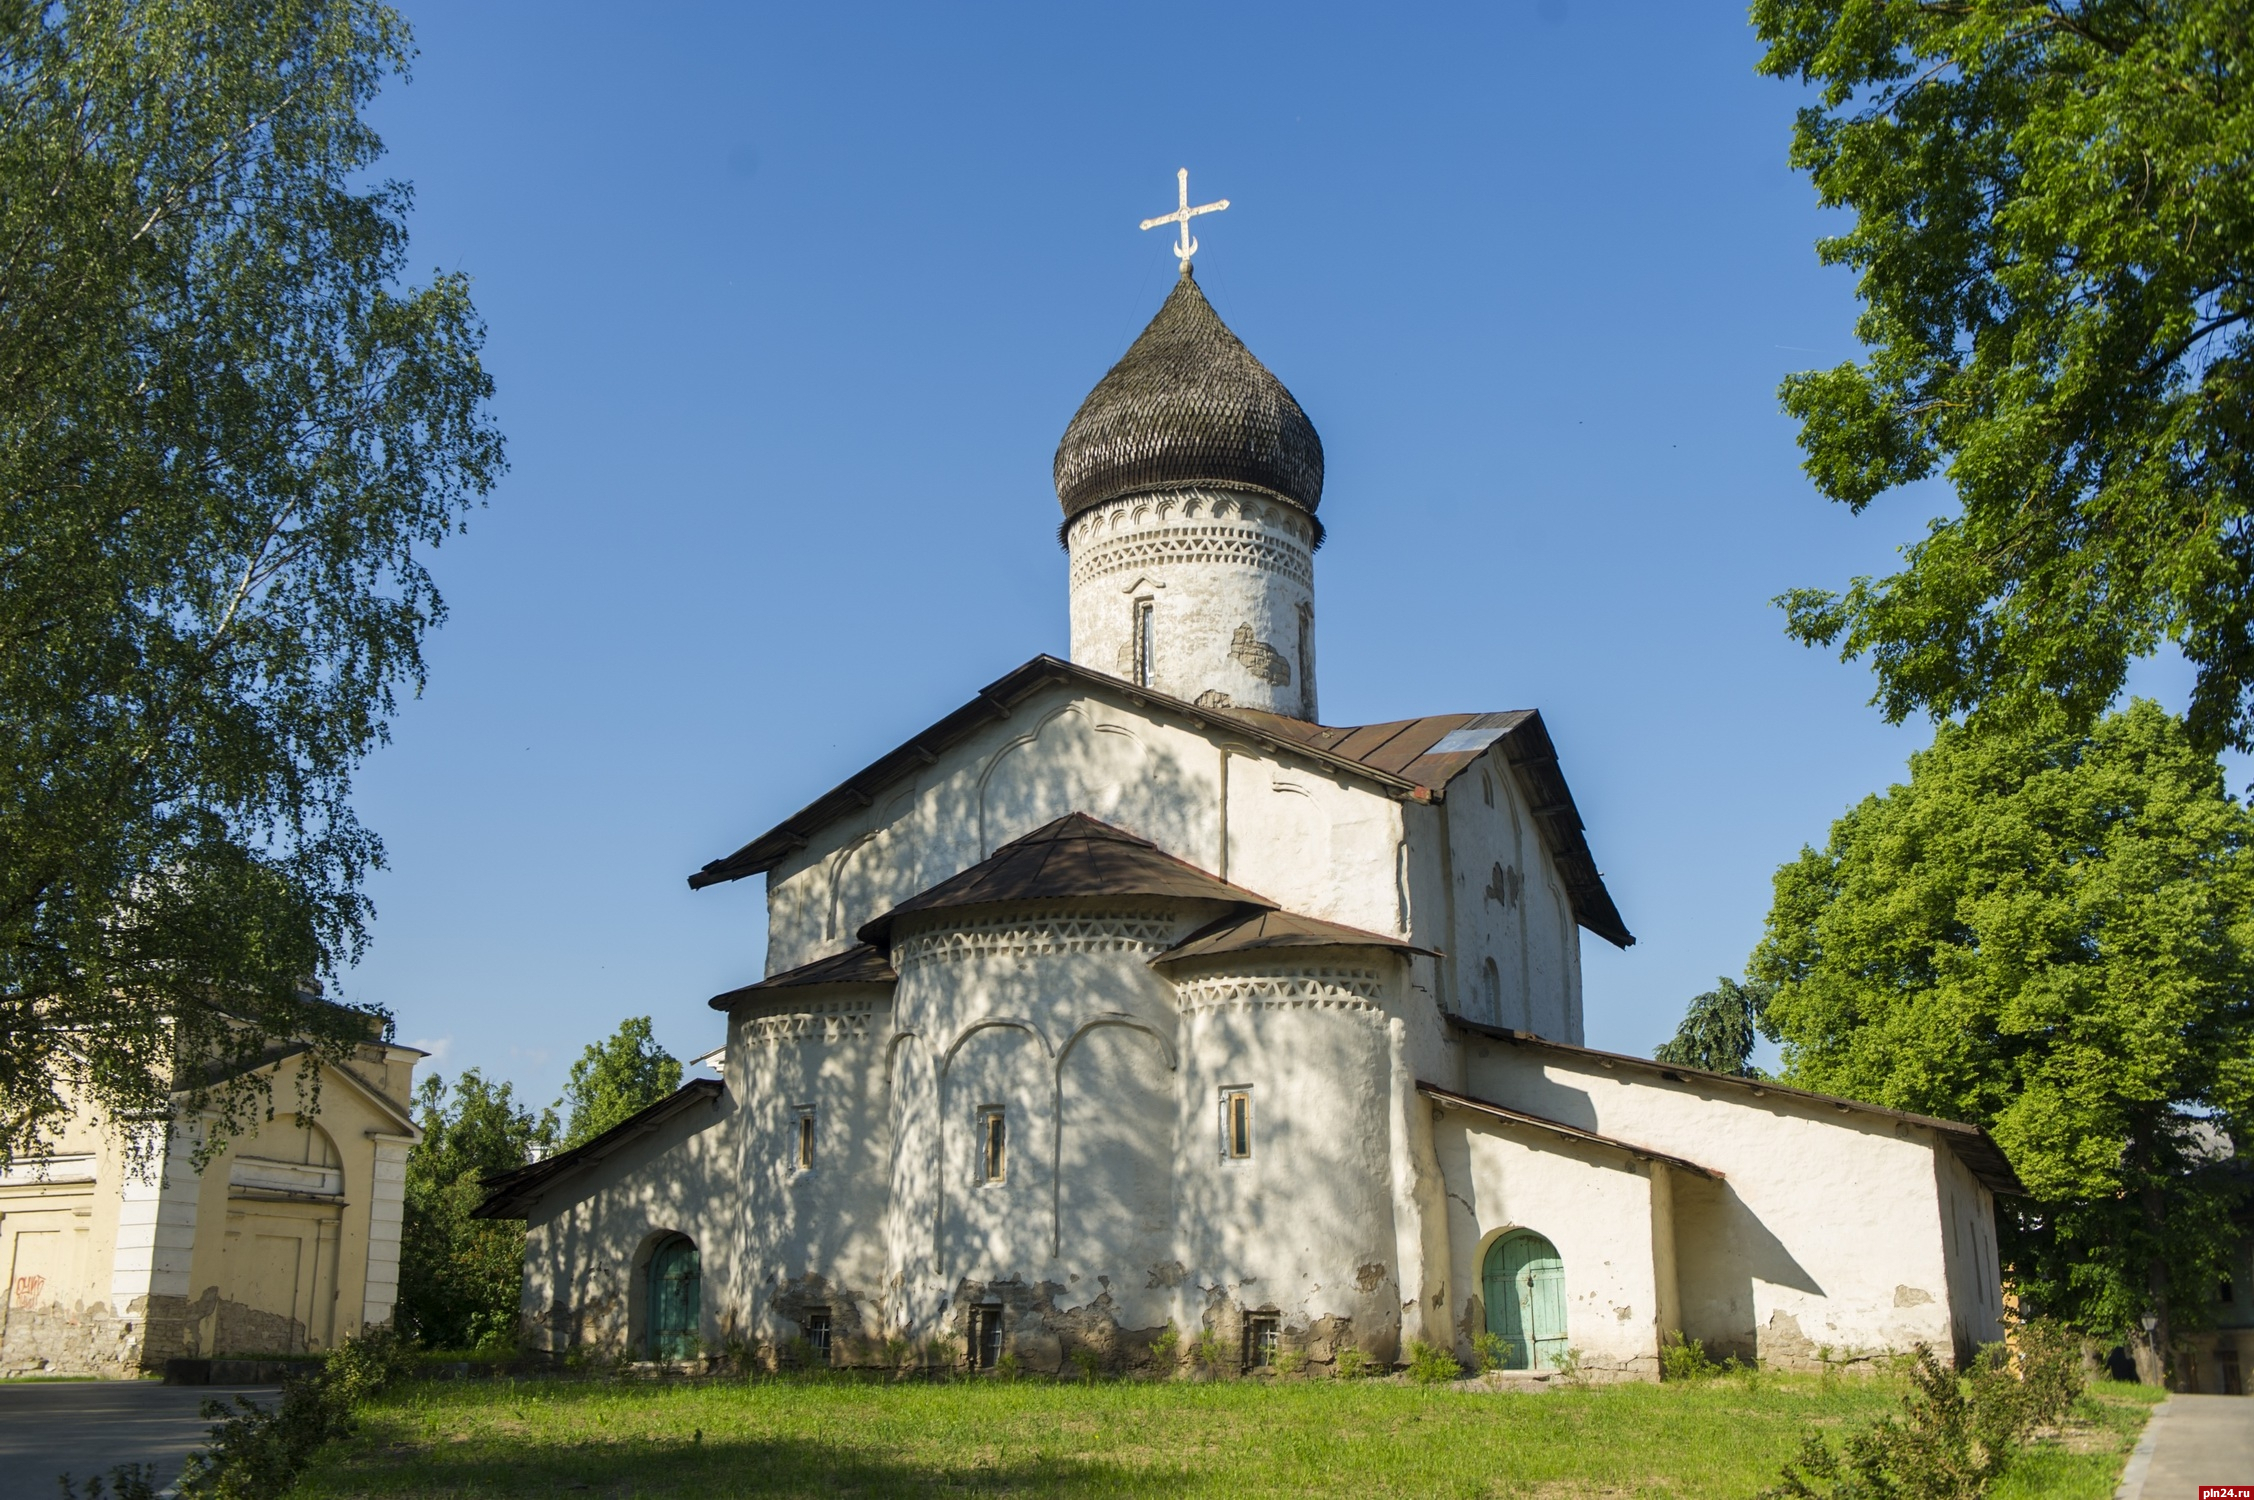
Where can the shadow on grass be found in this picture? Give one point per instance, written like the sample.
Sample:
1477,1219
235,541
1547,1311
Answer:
776,1466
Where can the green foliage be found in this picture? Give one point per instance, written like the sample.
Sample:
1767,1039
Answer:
1429,1364
229,438
1166,1349
1488,1350
1350,1362
1953,1439
2051,936
2052,210
614,1078
126,1482
1087,1361
1683,1358
1719,1029
459,1276
1290,1359
1206,1351
257,1452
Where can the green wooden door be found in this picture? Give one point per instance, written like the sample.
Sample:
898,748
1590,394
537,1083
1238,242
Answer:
676,1300
1524,1286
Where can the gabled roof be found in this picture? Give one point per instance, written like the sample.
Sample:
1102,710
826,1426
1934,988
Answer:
509,1194
1412,759
860,964
1434,750
1074,857
1488,1107
1972,1145
1242,933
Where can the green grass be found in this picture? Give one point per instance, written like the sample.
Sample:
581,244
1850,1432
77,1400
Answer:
1722,1438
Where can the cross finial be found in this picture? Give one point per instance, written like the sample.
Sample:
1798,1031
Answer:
1186,246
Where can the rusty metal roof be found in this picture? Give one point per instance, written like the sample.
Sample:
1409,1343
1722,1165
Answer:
1187,404
1074,857
1413,759
1973,1146
509,1194
1239,932
860,964
1449,1097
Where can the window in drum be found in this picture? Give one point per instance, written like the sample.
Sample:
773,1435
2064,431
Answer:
1236,1123
993,1144
805,1143
1146,640
1262,1337
986,1335
818,1334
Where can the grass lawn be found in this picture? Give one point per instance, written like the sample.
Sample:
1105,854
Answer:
842,1437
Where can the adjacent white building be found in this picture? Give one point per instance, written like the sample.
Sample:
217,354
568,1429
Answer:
1130,996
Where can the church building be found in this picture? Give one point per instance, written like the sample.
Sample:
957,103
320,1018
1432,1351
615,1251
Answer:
1131,996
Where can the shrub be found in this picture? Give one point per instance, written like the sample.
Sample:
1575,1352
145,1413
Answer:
127,1482
1955,1437
1682,1358
1166,1349
1350,1362
1205,1351
1429,1364
1008,1367
1087,1362
1488,1350
257,1453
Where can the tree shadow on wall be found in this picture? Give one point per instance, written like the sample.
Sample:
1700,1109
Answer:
680,1466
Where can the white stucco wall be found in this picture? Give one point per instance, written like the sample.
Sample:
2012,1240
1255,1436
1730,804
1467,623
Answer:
587,1242
1595,1204
1312,839
1826,1232
1229,581
1513,939
811,1239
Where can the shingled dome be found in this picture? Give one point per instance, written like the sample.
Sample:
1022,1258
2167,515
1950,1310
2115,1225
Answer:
1188,405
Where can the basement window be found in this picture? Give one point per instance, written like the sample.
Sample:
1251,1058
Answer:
986,1335
817,1328
993,1144
1236,1124
806,1138
1261,1338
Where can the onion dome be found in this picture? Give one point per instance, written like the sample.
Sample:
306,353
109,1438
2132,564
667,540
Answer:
1188,405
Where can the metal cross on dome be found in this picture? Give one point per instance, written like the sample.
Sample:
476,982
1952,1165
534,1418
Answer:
1186,246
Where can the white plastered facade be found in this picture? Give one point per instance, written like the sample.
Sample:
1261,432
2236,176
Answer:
1789,1230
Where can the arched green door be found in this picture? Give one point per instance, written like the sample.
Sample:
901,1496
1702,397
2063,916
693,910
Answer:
1524,1284
676,1300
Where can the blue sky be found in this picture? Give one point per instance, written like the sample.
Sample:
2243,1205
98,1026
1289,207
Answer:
788,306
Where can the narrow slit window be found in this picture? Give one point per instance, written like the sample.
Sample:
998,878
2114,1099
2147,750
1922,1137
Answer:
806,1140
2227,1293
993,1144
818,1334
986,1336
1236,1124
1262,1336
1146,640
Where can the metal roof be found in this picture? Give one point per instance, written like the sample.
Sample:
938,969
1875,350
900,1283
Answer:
1074,857
1404,758
1186,405
1973,1146
1449,1097
860,964
1239,932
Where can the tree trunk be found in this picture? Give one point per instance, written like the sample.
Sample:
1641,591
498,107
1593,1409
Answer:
2152,1352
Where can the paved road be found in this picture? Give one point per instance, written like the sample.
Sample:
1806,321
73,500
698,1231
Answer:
90,1426
2191,1441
